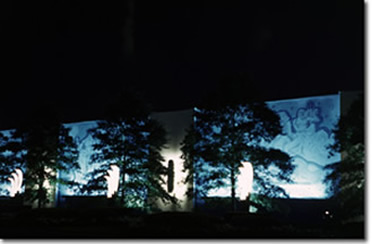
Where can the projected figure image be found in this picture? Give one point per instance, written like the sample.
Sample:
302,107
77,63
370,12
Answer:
306,135
286,137
308,139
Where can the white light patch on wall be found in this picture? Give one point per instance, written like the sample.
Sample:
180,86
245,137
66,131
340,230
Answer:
220,192
16,180
244,184
180,188
245,180
305,190
47,183
112,178
20,179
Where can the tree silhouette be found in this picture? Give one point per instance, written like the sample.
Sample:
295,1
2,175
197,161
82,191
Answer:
346,179
230,128
131,139
41,147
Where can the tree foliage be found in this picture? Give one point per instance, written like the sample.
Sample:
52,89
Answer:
131,139
346,179
225,135
41,147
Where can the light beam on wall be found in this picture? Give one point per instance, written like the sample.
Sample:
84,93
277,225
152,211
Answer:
20,179
112,180
245,180
12,187
179,188
16,180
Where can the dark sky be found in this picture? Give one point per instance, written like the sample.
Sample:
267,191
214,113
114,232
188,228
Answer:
70,53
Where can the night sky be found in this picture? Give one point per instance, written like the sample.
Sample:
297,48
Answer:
72,53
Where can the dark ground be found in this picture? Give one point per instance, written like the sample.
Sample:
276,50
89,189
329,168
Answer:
122,223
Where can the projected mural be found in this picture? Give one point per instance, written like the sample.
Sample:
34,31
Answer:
307,131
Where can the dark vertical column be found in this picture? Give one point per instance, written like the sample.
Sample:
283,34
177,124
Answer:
233,204
170,176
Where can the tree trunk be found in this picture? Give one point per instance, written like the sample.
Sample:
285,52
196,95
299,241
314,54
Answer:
248,202
122,181
233,204
196,206
194,192
40,191
122,198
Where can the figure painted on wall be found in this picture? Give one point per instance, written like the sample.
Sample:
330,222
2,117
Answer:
305,138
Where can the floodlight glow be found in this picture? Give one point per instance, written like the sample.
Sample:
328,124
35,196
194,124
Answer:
109,184
11,188
306,190
245,180
180,187
116,175
15,182
112,180
20,179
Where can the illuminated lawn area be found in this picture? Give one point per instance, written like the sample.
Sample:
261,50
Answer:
124,223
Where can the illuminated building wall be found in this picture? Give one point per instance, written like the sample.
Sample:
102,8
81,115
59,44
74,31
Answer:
84,141
175,124
4,188
307,123
307,131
